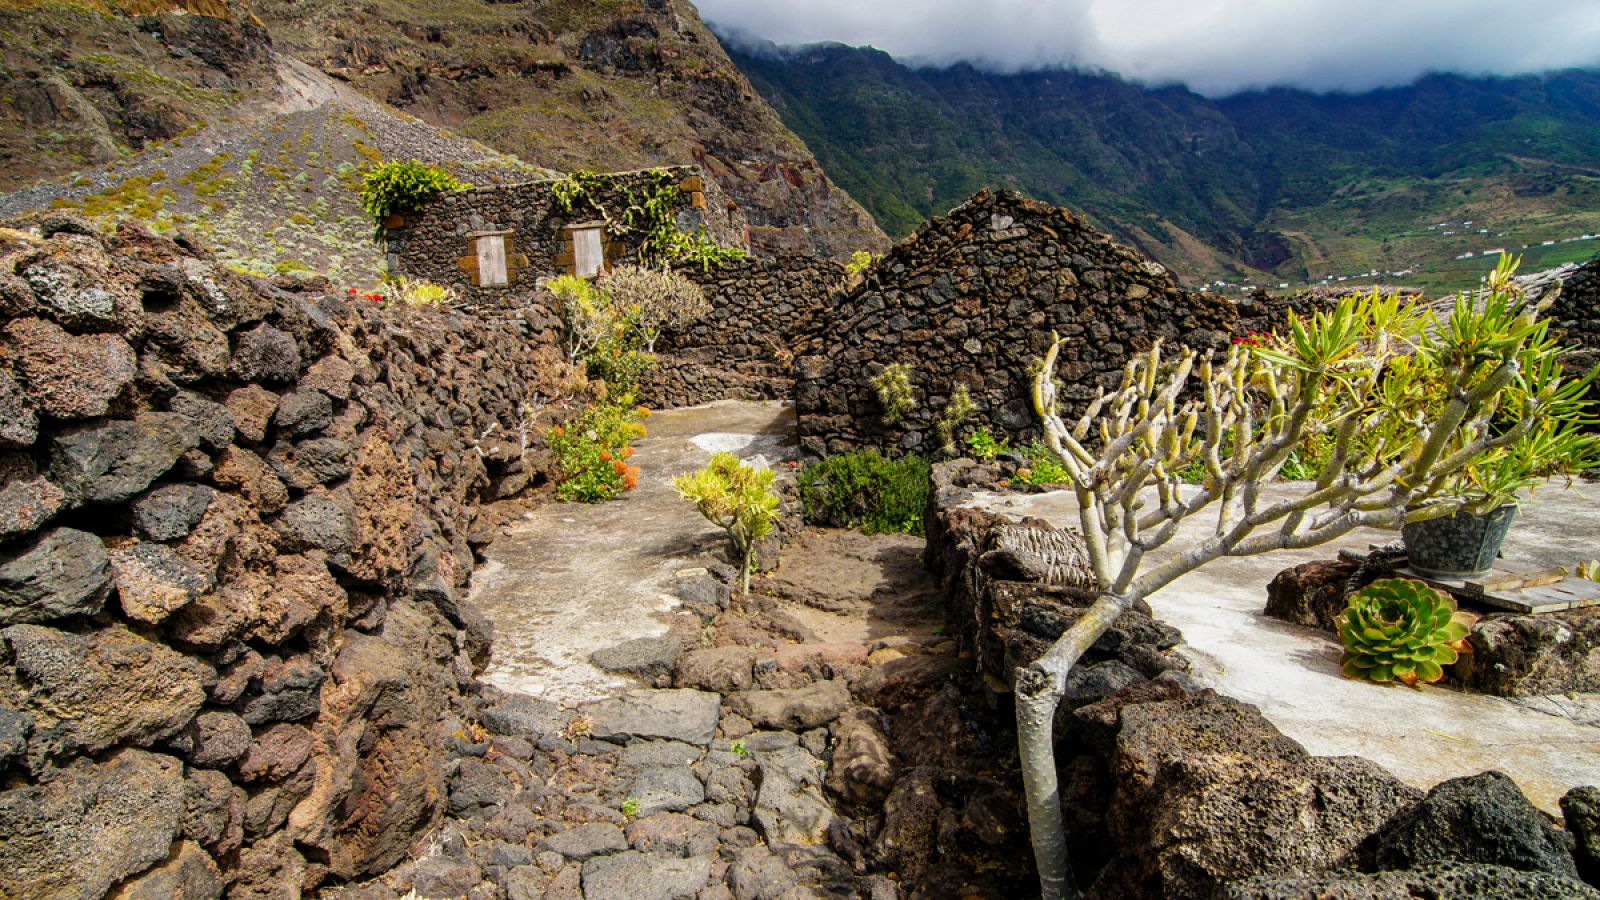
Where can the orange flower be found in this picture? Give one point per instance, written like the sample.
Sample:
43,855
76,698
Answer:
620,467
605,456
558,431
627,452
629,482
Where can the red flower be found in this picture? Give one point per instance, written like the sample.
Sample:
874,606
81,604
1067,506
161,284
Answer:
350,291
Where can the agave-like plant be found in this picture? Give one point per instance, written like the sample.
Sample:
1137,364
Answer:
1399,629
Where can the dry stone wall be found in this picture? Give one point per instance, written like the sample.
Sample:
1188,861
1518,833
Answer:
235,527
972,298
431,242
741,351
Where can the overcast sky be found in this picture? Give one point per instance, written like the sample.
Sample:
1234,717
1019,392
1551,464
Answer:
1216,47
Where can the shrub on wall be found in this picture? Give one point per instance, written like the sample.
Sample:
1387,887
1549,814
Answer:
402,186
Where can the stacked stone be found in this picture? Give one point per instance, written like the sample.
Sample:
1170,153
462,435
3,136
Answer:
972,299
235,523
431,242
741,351
1170,790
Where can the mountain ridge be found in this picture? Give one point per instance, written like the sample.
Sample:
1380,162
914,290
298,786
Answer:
1258,185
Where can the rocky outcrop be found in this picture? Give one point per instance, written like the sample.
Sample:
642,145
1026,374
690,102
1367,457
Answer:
972,299
234,639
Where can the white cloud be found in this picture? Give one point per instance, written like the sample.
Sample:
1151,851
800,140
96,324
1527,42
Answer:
1217,47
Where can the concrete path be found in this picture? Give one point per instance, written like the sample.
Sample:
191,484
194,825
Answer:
1291,672
572,578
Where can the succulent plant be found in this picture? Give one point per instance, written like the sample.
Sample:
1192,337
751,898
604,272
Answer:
1399,629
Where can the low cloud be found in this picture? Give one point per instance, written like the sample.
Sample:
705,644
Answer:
1216,47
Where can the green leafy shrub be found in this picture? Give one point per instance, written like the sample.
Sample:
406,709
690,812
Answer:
602,332
736,497
592,451
419,293
985,446
402,186
860,261
651,210
1044,467
893,385
1399,629
867,491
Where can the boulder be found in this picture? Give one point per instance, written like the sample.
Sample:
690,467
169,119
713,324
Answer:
265,354
153,581
65,572
674,715
171,511
70,376
1482,819
796,709
644,876
303,412
666,789
1311,593
673,833
19,418
213,810
863,765
27,500
1520,656
790,809
316,523
583,841
251,408
218,738
309,463
90,692
1452,881
111,461
90,826
724,670
1580,807
645,658
518,715
1208,792
188,874
212,420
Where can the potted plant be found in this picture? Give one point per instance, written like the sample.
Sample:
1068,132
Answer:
1463,542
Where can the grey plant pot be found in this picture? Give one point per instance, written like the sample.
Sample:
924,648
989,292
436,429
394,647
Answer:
1460,546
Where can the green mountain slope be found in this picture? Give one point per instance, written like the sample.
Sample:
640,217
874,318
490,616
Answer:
1281,185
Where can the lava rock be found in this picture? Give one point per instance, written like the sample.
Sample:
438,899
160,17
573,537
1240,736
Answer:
1580,807
265,354
666,789
114,460
646,658
90,826
518,715
153,581
632,875
1443,880
63,573
724,670
19,418
316,523
218,738
171,511
790,808
583,841
675,715
800,708
71,376
1476,819
304,412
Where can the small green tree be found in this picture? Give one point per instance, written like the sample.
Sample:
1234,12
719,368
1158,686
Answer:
738,498
1419,410
655,299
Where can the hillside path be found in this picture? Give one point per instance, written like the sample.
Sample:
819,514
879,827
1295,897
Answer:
572,578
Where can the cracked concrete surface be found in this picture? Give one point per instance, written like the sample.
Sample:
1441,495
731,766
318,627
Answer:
571,578
1424,735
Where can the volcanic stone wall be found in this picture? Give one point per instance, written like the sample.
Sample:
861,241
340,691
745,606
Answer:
972,298
235,526
742,349
432,242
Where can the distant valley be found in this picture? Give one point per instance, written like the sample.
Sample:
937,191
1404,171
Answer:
1272,188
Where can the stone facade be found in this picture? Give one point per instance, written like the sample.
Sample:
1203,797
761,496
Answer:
234,642
972,298
434,242
742,349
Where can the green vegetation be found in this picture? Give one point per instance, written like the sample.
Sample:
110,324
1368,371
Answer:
402,187
860,261
893,386
738,498
867,491
655,300
651,211
592,450
1398,629
1273,187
